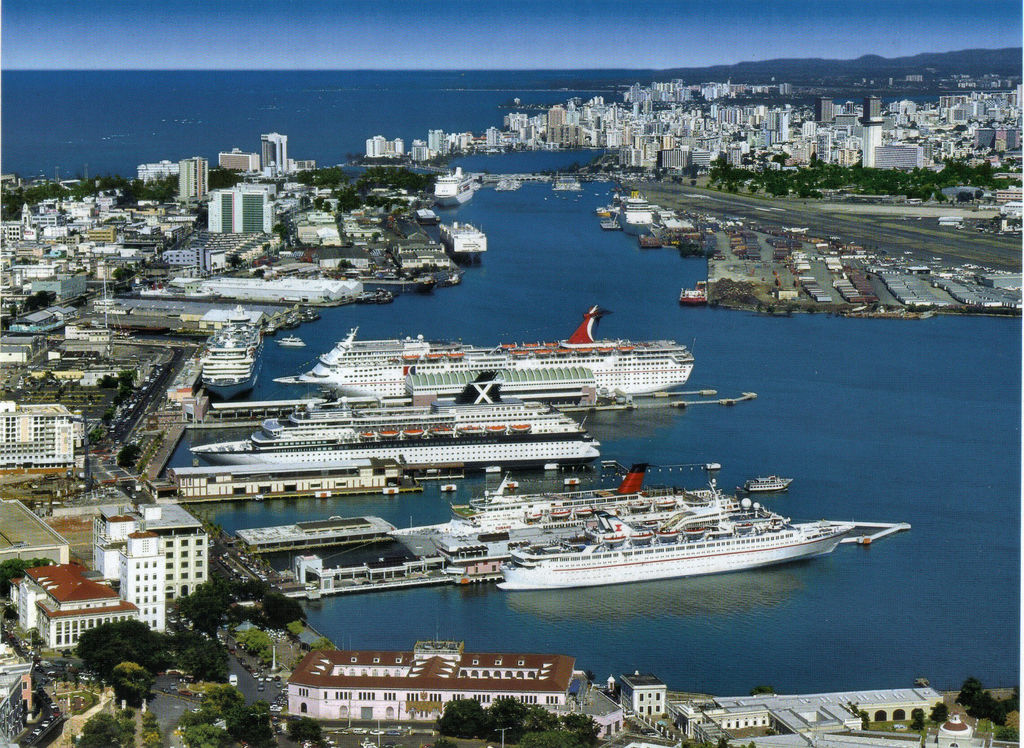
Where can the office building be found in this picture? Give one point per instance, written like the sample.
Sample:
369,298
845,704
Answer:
274,151
871,130
193,178
896,156
823,109
240,210
15,695
61,603
643,694
238,160
38,437
159,170
416,685
141,572
180,541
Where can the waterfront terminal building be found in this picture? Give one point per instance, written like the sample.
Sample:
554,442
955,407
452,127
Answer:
414,686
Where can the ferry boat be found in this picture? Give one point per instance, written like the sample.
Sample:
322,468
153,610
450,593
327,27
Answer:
768,484
636,215
233,357
501,511
549,370
291,341
461,432
694,296
464,241
714,541
453,189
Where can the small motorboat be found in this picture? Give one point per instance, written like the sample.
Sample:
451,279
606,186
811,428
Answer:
291,341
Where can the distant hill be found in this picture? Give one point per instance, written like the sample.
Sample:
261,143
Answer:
1003,62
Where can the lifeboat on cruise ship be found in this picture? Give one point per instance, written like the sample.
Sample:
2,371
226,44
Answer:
606,349
667,536
507,346
551,345
562,512
456,354
625,348
583,512
544,351
441,430
368,434
435,356
521,428
389,433
496,429
641,537
639,505
413,432
531,345
666,503
410,357
571,482
694,532
614,538
532,515
562,352
520,352
744,527
471,429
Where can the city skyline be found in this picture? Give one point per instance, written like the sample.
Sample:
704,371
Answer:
402,35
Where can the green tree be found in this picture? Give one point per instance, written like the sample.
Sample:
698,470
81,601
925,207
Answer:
101,731
550,739
507,712
582,726
304,729
256,642
128,454
106,646
206,736
219,179
38,300
295,628
280,610
761,689
206,607
463,718
251,724
205,658
444,742
131,682
940,713
321,643
539,719
917,719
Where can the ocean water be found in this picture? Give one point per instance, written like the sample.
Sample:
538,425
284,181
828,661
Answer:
114,120
877,420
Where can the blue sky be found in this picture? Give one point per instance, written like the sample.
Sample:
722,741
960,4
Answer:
450,34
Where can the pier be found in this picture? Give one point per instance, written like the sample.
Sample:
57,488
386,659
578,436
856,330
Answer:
882,530
368,577
325,533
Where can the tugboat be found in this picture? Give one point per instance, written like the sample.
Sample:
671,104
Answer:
769,484
697,296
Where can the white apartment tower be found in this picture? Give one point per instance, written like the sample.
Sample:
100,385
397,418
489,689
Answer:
193,178
142,572
871,137
274,150
37,437
240,211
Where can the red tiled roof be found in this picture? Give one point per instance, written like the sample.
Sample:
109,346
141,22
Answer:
147,534
65,583
118,607
436,673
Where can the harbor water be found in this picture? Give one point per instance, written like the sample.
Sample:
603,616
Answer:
876,420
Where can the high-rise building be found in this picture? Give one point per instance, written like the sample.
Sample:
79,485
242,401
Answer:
240,210
899,156
871,135
823,109
556,118
274,152
37,437
435,141
193,176
238,160
141,571
158,170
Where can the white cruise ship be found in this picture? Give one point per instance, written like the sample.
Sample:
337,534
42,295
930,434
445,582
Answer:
709,541
500,511
465,241
556,370
471,435
232,360
453,189
636,214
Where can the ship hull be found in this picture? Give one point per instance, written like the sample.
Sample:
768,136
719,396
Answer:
450,201
472,457
622,571
235,389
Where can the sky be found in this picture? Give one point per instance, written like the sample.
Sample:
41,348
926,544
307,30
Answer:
484,34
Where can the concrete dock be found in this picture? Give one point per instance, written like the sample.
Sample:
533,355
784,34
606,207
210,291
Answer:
317,534
882,529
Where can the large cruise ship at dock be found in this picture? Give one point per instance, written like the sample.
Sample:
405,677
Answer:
453,189
636,214
389,368
712,540
464,241
459,433
233,357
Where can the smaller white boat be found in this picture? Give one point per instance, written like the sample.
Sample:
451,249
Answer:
291,341
447,487
769,484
